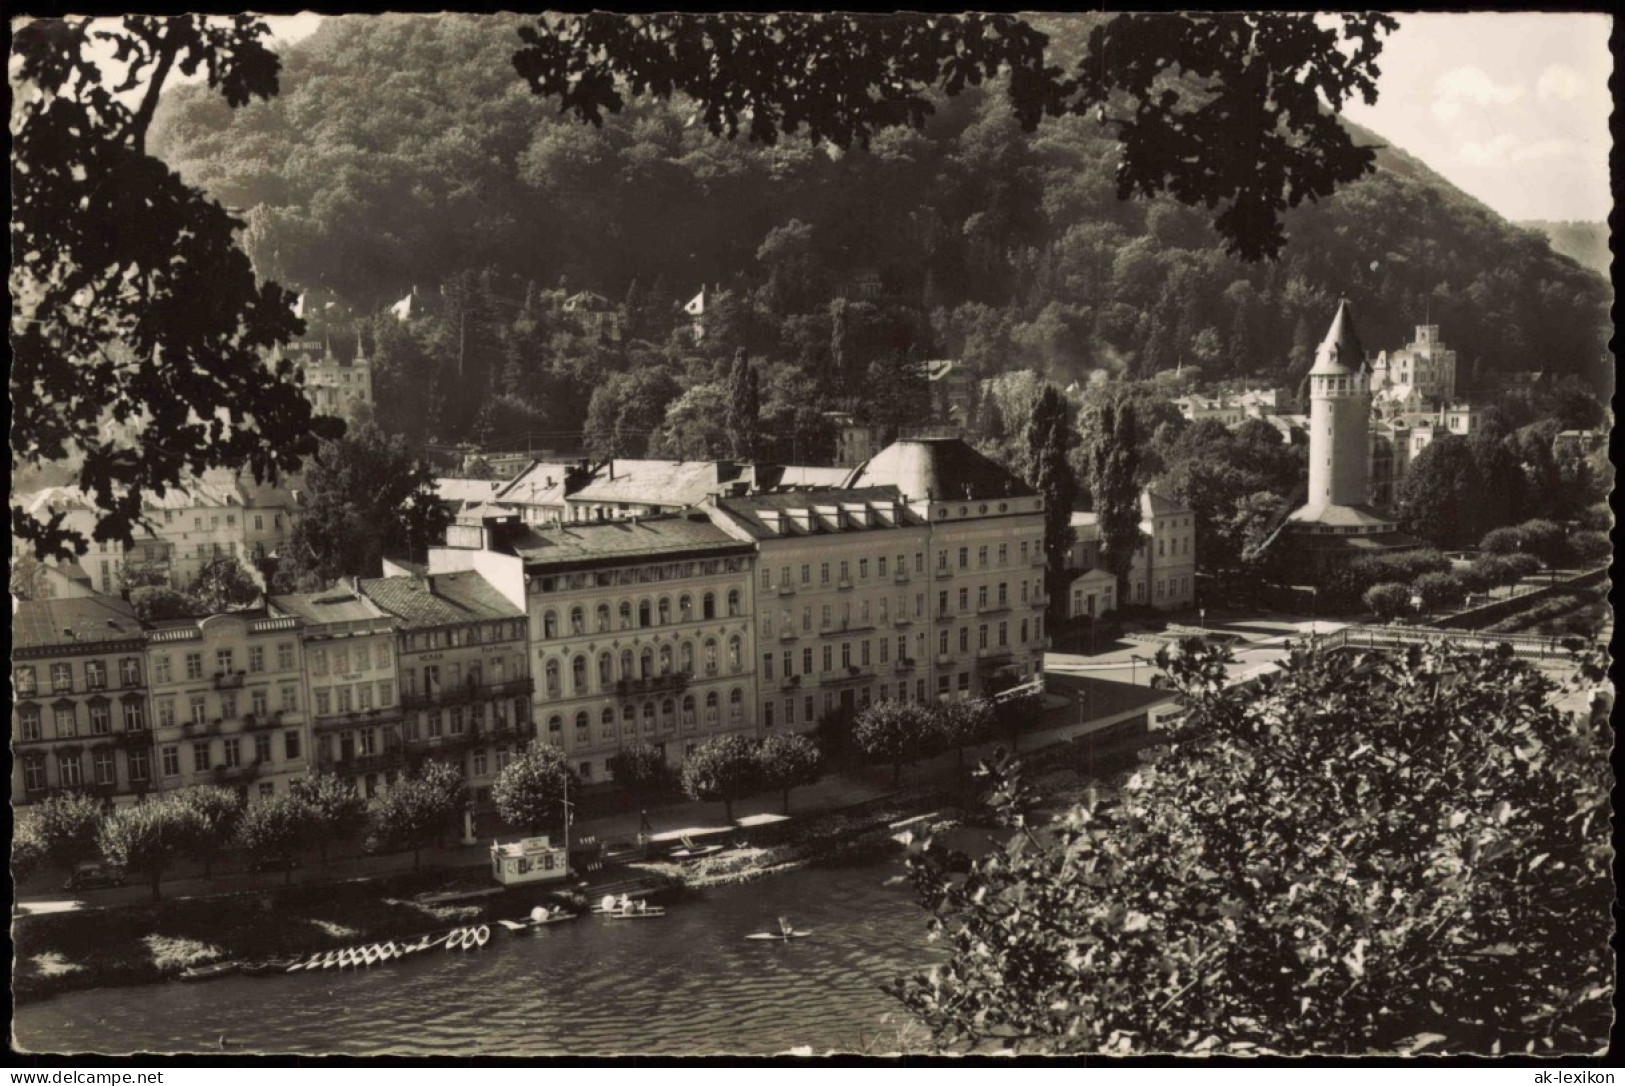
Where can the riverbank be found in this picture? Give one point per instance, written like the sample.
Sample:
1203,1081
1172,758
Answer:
60,952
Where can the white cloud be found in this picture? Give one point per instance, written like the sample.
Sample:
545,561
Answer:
1543,149
1559,83
1490,152
1470,85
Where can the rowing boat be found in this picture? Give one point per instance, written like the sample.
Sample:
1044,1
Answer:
208,972
694,853
454,941
636,914
779,936
481,936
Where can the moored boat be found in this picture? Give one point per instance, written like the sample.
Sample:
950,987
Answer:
208,972
480,936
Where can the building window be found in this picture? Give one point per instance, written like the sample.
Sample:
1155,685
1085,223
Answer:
262,748
101,719
129,671
62,678
290,745
26,687
172,761
28,723
69,770
200,757
66,720
140,766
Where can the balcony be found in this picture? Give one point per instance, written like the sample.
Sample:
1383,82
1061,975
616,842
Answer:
246,771
228,680
903,619
653,684
844,584
193,728
786,589
393,758
945,616
945,659
133,740
790,682
992,608
903,664
788,634
850,673
943,574
465,693
994,657
900,577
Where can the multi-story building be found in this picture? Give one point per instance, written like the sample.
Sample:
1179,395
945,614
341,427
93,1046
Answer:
79,718
642,633
350,684
228,702
620,488
1163,574
1423,372
985,561
538,491
463,660
842,599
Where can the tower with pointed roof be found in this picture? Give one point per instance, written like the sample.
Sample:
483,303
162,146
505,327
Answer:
1337,518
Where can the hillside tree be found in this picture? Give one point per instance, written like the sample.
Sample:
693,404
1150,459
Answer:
1049,440
1110,444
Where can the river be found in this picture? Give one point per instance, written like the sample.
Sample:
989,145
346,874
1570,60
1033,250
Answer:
688,983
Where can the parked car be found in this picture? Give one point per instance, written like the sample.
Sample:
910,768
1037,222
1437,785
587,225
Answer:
94,876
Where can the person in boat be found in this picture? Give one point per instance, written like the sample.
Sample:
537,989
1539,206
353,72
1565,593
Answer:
784,927
643,906
626,904
608,904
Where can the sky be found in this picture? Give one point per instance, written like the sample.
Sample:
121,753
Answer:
1511,108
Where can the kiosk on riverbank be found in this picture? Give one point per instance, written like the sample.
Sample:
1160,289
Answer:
531,860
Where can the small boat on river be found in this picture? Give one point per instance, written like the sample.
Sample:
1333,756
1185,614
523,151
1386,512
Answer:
209,972
647,912
455,940
778,936
478,938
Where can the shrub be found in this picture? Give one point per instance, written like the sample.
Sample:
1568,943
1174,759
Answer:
1388,601
1523,565
1502,541
1544,540
1588,548
1440,590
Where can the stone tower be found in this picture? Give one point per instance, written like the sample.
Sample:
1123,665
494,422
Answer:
1339,418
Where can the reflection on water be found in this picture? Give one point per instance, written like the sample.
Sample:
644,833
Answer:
686,984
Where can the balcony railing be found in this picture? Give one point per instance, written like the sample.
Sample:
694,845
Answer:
844,584
362,763
670,681
228,680
790,682
900,577
465,693
943,574
789,633
245,771
992,608
945,616
904,664
786,589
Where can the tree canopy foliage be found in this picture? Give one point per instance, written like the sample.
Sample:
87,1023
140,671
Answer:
1306,868
138,327
404,152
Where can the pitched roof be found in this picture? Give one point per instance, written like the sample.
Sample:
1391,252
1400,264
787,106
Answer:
38,624
749,511
769,477
340,603
441,599
940,468
656,482
573,546
542,482
1340,354
466,490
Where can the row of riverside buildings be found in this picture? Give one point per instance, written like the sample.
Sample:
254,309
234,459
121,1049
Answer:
763,606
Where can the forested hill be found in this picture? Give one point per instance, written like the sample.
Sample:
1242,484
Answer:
1586,242
403,149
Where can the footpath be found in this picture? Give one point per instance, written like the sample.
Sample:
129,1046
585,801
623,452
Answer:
1077,707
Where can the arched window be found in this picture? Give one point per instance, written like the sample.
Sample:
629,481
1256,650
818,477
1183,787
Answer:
710,656
665,659
644,616
711,708
626,664
663,609
708,605
668,715
735,653
733,603
552,678
555,730
606,724
648,718
606,670
550,625
578,621
736,704
629,720
685,607
646,663
626,614
578,675
582,723
603,618
685,656
688,710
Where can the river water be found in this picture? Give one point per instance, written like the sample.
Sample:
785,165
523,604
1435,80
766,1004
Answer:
688,983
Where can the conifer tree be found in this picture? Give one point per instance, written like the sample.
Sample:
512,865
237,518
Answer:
744,407
1109,445
1050,438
